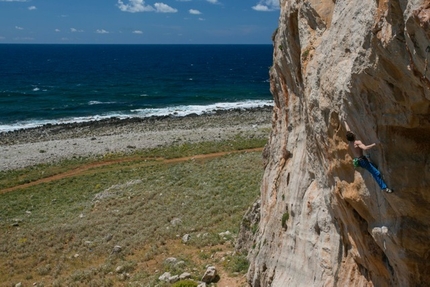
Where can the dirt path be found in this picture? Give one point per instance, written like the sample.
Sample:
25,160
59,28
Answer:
82,169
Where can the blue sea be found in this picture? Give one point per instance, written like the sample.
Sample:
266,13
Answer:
41,84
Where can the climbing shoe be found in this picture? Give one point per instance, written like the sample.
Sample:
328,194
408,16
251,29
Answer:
387,190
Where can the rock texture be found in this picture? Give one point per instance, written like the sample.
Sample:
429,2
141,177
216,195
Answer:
322,223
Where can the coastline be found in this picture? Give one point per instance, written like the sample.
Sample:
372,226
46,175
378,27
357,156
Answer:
52,143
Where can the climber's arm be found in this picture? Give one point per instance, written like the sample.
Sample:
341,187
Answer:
359,144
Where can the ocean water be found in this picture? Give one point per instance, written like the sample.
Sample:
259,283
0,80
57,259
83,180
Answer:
42,84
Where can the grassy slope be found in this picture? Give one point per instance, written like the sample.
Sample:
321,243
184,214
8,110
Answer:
61,233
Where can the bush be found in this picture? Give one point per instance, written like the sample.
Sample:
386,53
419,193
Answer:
185,283
238,263
285,218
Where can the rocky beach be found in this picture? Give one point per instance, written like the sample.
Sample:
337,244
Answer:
52,143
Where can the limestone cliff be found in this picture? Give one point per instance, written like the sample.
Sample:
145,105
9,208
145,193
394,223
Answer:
322,222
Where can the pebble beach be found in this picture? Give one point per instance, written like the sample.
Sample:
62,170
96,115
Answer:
52,143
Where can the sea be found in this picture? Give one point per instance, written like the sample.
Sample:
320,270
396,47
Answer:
54,84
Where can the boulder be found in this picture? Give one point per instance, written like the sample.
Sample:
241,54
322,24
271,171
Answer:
116,249
173,279
165,277
184,276
186,238
210,274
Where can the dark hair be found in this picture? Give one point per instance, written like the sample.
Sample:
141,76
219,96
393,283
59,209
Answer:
350,136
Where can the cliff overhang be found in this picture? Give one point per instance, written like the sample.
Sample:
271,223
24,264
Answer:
321,221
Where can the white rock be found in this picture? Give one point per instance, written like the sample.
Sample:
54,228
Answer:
171,260
175,221
165,277
117,249
180,263
210,274
186,238
185,275
173,279
119,269
223,234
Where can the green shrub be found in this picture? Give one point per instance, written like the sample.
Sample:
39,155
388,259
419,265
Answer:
285,218
238,263
185,283
305,55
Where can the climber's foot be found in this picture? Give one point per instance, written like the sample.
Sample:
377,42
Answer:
387,190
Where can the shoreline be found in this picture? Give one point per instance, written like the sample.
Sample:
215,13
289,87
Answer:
52,143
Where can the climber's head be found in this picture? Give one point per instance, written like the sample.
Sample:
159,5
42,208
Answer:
350,136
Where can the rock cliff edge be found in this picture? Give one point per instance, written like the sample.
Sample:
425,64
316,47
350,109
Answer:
322,222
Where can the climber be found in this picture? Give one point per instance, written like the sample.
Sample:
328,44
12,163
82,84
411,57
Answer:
360,160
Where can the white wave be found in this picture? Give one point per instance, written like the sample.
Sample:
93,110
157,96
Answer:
38,123
91,103
178,111
36,89
23,125
185,110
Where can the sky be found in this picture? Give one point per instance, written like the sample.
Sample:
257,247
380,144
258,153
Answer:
138,21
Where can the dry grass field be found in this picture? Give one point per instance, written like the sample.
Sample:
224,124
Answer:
114,220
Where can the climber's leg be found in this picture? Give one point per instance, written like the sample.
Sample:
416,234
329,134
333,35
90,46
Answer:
364,163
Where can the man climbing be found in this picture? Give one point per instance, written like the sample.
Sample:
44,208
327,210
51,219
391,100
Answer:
357,148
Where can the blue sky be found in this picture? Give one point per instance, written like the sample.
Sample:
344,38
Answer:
138,21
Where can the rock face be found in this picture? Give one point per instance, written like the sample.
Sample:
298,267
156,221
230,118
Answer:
323,223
